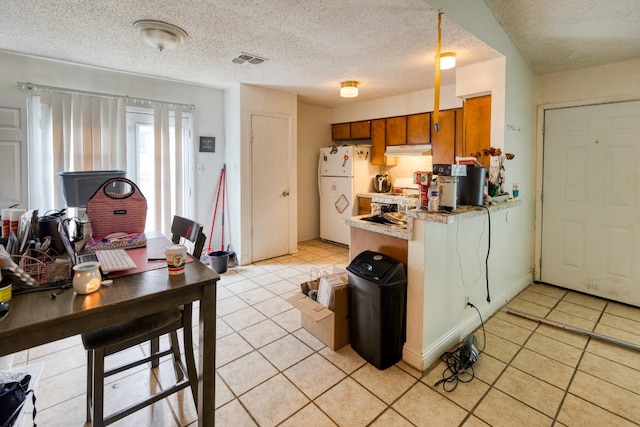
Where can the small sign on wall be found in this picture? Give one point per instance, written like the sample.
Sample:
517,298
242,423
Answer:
207,144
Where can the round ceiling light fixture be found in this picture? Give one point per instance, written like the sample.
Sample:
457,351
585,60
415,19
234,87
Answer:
349,89
447,60
159,34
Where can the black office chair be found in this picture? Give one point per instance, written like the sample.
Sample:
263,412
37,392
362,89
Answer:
106,341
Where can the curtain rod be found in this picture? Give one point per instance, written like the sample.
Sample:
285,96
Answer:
32,86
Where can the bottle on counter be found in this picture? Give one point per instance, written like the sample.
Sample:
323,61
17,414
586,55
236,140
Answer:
434,195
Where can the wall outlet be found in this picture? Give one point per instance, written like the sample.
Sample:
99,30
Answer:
466,301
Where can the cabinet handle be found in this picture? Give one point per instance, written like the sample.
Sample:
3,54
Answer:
285,193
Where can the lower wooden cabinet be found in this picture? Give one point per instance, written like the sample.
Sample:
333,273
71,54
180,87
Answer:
364,205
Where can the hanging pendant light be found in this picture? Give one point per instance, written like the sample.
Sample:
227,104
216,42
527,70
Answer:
349,89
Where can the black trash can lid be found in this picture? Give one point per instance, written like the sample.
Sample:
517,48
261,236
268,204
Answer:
378,267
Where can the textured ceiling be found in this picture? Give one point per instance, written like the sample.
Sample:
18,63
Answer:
310,46
560,35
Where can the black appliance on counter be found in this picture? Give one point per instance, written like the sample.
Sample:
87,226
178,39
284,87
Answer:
377,308
470,189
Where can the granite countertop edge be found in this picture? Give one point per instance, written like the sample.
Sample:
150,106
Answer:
460,214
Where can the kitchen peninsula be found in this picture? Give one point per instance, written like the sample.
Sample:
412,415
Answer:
445,255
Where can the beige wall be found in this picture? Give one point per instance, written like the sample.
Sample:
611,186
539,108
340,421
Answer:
614,82
314,132
242,102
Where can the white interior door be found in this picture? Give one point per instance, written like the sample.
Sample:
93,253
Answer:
13,151
270,201
590,227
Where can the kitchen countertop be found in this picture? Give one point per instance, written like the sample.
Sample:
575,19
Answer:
461,213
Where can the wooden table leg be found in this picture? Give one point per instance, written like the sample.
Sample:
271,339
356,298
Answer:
206,380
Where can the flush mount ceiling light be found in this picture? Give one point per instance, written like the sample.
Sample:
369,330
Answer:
447,60
349,89
159,34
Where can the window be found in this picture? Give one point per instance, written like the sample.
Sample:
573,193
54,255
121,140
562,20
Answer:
140,133
76,132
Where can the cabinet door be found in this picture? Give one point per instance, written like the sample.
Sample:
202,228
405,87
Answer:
341,131
419,128
396,130
361,130
477,125
443,141
364,205
378,147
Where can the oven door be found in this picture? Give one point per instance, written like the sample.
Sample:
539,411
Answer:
380,208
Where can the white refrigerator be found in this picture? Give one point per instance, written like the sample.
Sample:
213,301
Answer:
343,172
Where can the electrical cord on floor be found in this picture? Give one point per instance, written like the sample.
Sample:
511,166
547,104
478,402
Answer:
486,261
460,362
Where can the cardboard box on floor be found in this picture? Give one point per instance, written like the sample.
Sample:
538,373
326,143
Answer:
329,326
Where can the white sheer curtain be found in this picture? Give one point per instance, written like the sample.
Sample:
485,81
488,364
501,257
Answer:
169,166
76,132
73,133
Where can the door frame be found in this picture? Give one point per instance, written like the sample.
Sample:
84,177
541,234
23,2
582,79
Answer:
291,176
539,154
20,103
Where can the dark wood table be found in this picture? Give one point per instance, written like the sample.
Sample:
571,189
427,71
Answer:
37,318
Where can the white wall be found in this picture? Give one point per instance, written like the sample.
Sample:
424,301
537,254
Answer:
614,82
208,113
512,247
486,78
314,132
400,105
247,100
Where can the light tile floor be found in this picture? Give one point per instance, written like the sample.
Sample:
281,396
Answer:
271,372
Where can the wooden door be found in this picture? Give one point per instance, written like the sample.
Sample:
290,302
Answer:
13,151
270,201
591,199
477,125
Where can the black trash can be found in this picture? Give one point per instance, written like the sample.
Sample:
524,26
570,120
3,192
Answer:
377,308
218,260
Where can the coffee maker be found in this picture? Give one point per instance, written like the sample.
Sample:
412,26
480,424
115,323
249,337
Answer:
471,187
448,192
448,176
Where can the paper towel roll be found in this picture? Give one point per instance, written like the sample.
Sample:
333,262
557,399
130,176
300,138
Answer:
6,221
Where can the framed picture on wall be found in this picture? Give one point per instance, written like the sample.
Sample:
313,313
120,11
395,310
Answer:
207,144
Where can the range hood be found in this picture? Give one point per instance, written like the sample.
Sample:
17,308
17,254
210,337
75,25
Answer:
408,150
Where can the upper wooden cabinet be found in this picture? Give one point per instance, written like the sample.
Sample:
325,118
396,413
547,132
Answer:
477,126
361,130
396,130
378,146
349,131
419,128
341,131
443,142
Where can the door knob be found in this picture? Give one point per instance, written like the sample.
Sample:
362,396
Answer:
285,193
